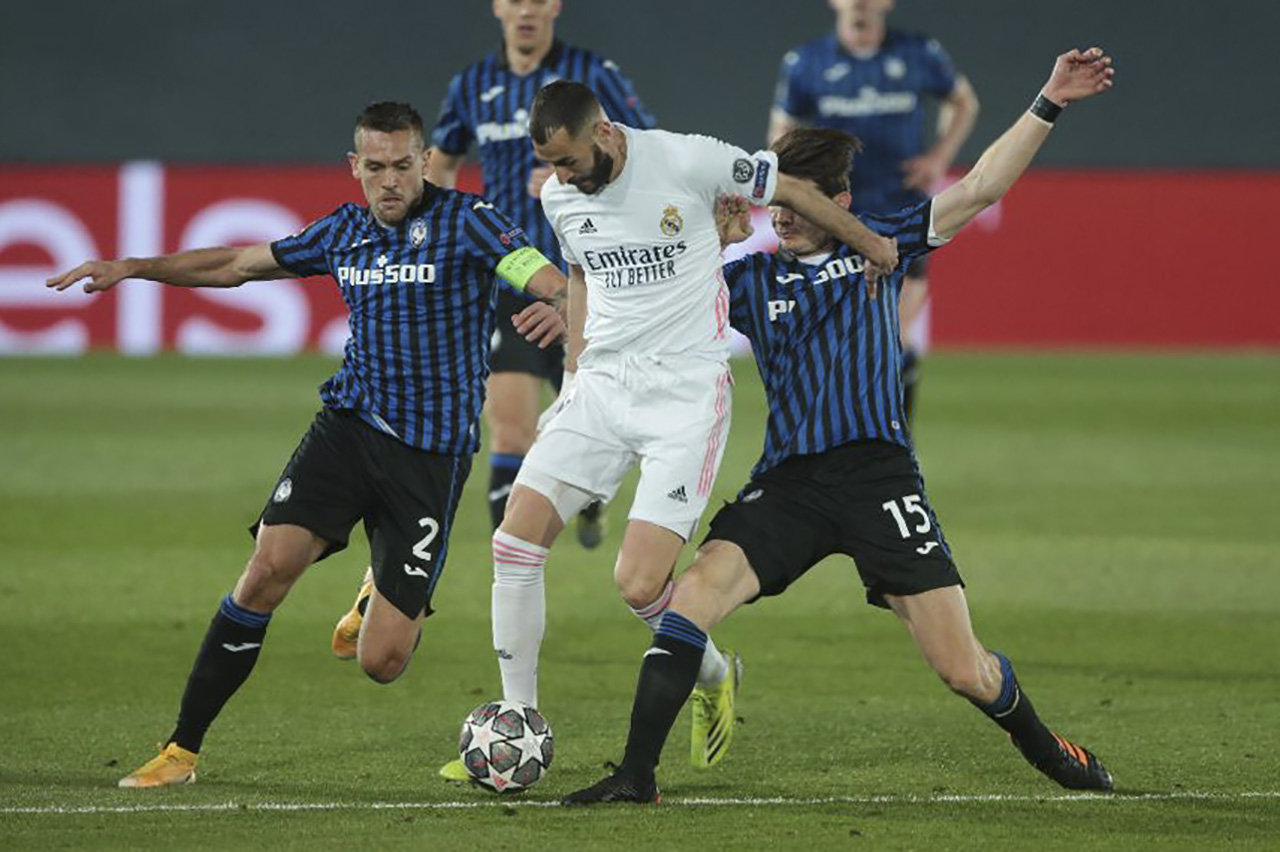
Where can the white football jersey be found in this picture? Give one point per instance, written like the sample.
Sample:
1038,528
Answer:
648,246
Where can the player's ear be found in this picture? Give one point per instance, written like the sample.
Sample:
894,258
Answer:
426,161
602,131
354,160
843,198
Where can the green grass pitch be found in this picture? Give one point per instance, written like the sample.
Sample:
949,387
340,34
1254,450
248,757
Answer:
1117,518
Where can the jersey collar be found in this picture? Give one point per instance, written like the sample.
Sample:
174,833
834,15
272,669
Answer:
552,57
790,257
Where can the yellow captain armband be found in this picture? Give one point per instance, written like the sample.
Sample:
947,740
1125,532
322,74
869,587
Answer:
518,267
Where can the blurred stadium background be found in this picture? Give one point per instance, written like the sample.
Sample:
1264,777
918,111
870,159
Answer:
157,127
1100,425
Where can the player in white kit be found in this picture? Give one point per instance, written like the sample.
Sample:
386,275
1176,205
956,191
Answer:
647,377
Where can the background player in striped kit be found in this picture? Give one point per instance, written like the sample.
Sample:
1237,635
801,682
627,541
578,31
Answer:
393,442
872,82
838,473
488,105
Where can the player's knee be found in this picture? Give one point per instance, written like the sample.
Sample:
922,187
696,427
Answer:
716,584
385,666
721,570
531,517
693,589
636,588
267,579
512,428
515,437
700,600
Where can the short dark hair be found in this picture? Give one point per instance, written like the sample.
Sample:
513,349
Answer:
563,103
389,117
823,155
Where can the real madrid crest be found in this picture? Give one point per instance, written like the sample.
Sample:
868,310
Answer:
671,221
418,232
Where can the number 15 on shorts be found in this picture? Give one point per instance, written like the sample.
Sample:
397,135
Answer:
905,513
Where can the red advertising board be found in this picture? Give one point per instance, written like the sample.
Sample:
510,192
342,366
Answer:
1079,258
1107,258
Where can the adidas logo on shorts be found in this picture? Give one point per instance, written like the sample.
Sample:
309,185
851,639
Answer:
587,228
678,494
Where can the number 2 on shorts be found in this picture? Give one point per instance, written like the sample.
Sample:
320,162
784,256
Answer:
420,549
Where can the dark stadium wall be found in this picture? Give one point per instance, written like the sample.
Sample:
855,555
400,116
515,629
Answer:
239,81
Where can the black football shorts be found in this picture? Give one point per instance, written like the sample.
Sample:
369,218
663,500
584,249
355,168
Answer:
863,499
345,470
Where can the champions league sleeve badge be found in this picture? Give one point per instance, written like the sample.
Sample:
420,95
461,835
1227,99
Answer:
417,232
671,221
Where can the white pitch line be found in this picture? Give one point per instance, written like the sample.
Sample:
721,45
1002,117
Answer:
940,799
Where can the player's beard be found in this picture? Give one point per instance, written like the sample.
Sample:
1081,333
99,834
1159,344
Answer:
601,170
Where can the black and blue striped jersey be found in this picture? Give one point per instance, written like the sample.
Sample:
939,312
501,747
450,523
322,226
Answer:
421,302
489,104
877,97
829,355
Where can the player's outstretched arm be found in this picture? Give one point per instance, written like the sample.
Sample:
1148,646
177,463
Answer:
805,198
209,267
1076,75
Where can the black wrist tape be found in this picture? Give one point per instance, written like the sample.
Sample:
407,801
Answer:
1045,109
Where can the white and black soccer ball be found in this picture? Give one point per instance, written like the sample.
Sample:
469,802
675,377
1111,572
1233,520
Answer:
506,745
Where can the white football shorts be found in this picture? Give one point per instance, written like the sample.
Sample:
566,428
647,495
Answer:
668,414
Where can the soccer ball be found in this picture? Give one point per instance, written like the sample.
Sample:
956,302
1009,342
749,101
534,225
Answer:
506,745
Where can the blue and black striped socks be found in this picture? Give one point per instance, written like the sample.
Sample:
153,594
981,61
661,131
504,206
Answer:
667,677
224,662
1013,712
1009,690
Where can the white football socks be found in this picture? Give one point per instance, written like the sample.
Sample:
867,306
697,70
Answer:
519,614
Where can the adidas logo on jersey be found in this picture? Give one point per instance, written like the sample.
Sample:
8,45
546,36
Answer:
587,228
678,494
